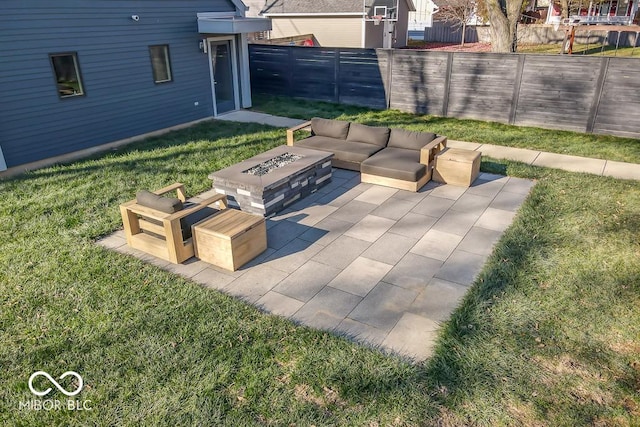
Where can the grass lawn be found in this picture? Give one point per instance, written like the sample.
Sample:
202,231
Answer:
548,334
562,142
583,49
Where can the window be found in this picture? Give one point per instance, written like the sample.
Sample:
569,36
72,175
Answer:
160,63
67,74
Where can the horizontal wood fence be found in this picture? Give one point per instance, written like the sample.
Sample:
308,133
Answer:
585,94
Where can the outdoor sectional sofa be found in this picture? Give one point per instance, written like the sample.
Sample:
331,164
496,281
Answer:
392,157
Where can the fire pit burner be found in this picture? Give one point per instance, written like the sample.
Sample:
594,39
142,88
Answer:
274,163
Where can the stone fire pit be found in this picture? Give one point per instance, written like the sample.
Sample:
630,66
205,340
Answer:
271,181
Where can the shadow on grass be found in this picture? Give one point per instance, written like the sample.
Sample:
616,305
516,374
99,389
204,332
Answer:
209,139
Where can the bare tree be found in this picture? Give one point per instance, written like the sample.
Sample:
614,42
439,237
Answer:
458,12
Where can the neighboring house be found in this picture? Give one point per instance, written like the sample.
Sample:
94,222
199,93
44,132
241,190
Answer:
82,75
423,15
335,23
620,12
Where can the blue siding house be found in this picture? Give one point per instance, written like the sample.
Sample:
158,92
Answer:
80,75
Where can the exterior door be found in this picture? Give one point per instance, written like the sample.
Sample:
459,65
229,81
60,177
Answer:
223,76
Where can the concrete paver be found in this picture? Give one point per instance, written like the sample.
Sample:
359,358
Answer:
413,271
359,277
304,283
495,219
433,206
622,170
353,211
279,304
341,252
570,163
456,222
394,208
509,153
413,335
361,332
437,244
461,267
480,241
438,300
508,201
327,309
383,306
370,228
389,248
413,225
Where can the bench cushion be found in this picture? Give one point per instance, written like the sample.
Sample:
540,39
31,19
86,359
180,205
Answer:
397,163
369,134
159,203
331,128
410,140
342,150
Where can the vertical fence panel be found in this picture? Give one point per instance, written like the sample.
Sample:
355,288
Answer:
362,77
482,86
558,91
314,73
269,69
418,81
618,112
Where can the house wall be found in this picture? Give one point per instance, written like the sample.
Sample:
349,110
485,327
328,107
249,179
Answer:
121,99
402,26
374,33
343,31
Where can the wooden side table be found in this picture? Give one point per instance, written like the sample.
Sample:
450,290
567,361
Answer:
230,239
457,166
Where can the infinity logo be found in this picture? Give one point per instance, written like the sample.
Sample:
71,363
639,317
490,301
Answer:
55,383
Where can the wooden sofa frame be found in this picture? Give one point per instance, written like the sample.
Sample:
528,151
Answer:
428,154
164,230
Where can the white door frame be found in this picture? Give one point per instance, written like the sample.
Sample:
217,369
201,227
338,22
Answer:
234,71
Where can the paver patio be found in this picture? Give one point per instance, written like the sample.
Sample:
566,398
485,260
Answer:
379,265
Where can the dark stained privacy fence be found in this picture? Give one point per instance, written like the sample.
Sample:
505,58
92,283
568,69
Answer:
585,94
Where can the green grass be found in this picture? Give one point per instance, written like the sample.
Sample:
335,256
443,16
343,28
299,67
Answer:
548,335
553,141
583,49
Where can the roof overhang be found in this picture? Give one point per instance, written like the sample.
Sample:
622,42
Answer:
213,24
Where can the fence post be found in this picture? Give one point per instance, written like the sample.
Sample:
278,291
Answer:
336,76
389,78
593,111
516,89
290,65
447,85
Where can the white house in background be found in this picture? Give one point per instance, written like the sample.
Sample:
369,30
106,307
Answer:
333,23
423,15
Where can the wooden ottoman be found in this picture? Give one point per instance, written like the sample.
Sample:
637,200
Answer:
230,239
457,166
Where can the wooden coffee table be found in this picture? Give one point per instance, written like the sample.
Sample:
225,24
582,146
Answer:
230,238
